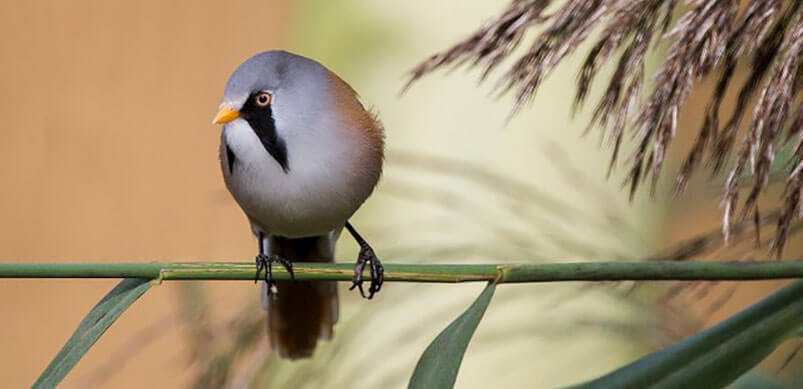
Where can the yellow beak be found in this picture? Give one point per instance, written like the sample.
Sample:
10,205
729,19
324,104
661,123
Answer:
225,115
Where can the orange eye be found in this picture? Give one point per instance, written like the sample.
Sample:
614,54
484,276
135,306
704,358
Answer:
263,99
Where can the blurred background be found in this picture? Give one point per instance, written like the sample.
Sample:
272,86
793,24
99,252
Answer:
109,154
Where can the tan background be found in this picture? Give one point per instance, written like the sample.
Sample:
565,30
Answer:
108,152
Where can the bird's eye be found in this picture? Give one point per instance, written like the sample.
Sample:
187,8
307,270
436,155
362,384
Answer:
263,99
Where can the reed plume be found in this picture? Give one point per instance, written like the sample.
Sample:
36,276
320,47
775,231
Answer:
707,38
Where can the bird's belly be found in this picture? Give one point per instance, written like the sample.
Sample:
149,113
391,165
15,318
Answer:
282,206
316,195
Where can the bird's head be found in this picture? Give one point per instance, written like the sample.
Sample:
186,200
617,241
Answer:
283,97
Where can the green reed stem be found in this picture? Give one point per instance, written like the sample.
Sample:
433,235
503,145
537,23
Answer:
505,273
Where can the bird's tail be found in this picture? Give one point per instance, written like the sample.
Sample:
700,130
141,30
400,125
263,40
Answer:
303,311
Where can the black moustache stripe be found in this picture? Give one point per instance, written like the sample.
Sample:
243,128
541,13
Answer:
230,158
261,121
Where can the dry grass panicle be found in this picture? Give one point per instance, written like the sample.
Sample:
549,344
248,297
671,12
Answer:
708,38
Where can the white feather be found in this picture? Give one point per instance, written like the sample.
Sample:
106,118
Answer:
321,190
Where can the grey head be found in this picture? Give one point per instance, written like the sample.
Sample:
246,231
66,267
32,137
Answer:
299,100
278,72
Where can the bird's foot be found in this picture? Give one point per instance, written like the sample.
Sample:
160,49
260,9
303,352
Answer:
366,256
265,262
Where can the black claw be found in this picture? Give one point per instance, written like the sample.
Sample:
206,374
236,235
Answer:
260,265
269,274
357,281
377,276
266,262
366,256
358,285
287,265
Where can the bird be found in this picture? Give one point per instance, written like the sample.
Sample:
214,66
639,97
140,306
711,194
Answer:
299,154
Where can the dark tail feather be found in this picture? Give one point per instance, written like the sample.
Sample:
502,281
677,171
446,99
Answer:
303,311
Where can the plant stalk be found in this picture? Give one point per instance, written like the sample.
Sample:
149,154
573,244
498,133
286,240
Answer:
504,273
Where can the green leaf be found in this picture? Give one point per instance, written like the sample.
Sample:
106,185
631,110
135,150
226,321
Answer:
440,362
755,380
719,355
99,319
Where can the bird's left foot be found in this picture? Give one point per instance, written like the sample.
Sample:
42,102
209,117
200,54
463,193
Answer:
365,257
265,262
